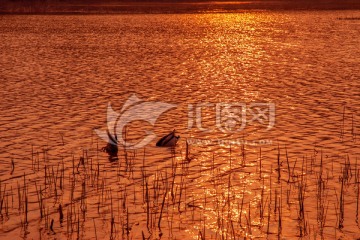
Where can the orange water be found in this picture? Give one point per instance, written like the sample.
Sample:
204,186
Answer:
58,74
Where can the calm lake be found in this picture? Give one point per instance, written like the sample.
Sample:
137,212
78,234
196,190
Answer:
287,169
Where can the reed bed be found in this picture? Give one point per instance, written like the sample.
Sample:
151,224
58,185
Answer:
238,196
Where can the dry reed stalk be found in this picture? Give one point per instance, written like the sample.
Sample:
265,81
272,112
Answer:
260,163
161,211
278,164
341,204
288,164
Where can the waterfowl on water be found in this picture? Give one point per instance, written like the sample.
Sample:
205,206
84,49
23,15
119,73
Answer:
111,147
169,140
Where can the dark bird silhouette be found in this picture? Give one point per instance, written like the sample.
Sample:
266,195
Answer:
111,147
169,140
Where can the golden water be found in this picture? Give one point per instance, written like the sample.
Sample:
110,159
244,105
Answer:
58,74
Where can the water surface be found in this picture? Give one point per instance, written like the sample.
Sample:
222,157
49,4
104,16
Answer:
58,74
